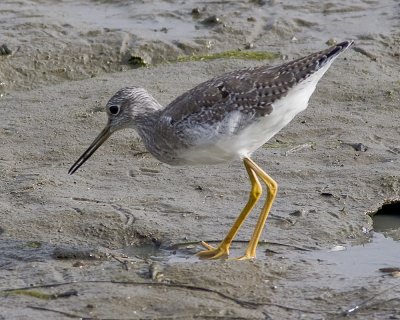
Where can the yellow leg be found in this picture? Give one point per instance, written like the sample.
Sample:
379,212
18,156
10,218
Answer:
223,249
271,194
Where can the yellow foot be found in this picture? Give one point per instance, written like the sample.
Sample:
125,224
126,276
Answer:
213,253
245,257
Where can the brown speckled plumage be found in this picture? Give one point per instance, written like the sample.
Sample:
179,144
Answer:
251,90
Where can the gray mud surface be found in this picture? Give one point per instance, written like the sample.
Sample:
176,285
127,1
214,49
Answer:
117,239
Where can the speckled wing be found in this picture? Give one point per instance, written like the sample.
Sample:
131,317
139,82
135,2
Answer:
250,91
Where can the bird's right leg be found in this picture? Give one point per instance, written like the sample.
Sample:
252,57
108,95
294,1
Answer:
223,248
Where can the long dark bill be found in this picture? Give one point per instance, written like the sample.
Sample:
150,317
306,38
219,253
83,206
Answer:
103,136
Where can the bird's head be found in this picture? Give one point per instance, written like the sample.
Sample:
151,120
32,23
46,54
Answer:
123,111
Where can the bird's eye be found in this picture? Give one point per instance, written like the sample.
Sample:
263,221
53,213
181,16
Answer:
114,109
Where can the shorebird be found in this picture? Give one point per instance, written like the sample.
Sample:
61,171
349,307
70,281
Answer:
225,118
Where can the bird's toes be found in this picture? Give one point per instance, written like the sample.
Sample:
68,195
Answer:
244,257
207,246
213,252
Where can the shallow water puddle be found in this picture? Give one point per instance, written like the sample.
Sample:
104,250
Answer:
359,261
386,222
185,252
345,262
387,218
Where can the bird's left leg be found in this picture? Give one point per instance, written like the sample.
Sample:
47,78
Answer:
272,187
223,248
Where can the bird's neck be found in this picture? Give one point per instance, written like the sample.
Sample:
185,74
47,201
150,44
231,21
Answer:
148,126
147,119
146,123
149,112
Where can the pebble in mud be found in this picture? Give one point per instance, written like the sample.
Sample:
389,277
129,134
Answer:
195,12
298,213
211,21
331,42
359,147
156,272
4,50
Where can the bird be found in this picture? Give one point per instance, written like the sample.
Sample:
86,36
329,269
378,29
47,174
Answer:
225,118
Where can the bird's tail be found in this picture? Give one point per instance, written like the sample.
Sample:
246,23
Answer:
302,68
327,55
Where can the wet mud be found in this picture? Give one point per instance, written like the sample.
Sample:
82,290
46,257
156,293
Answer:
117,240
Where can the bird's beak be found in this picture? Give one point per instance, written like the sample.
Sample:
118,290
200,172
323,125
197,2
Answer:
103,136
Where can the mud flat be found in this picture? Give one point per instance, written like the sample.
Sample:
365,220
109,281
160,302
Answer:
116,240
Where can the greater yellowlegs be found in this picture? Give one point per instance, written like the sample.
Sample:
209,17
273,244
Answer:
227,117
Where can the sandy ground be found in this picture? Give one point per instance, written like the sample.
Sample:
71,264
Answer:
116,240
